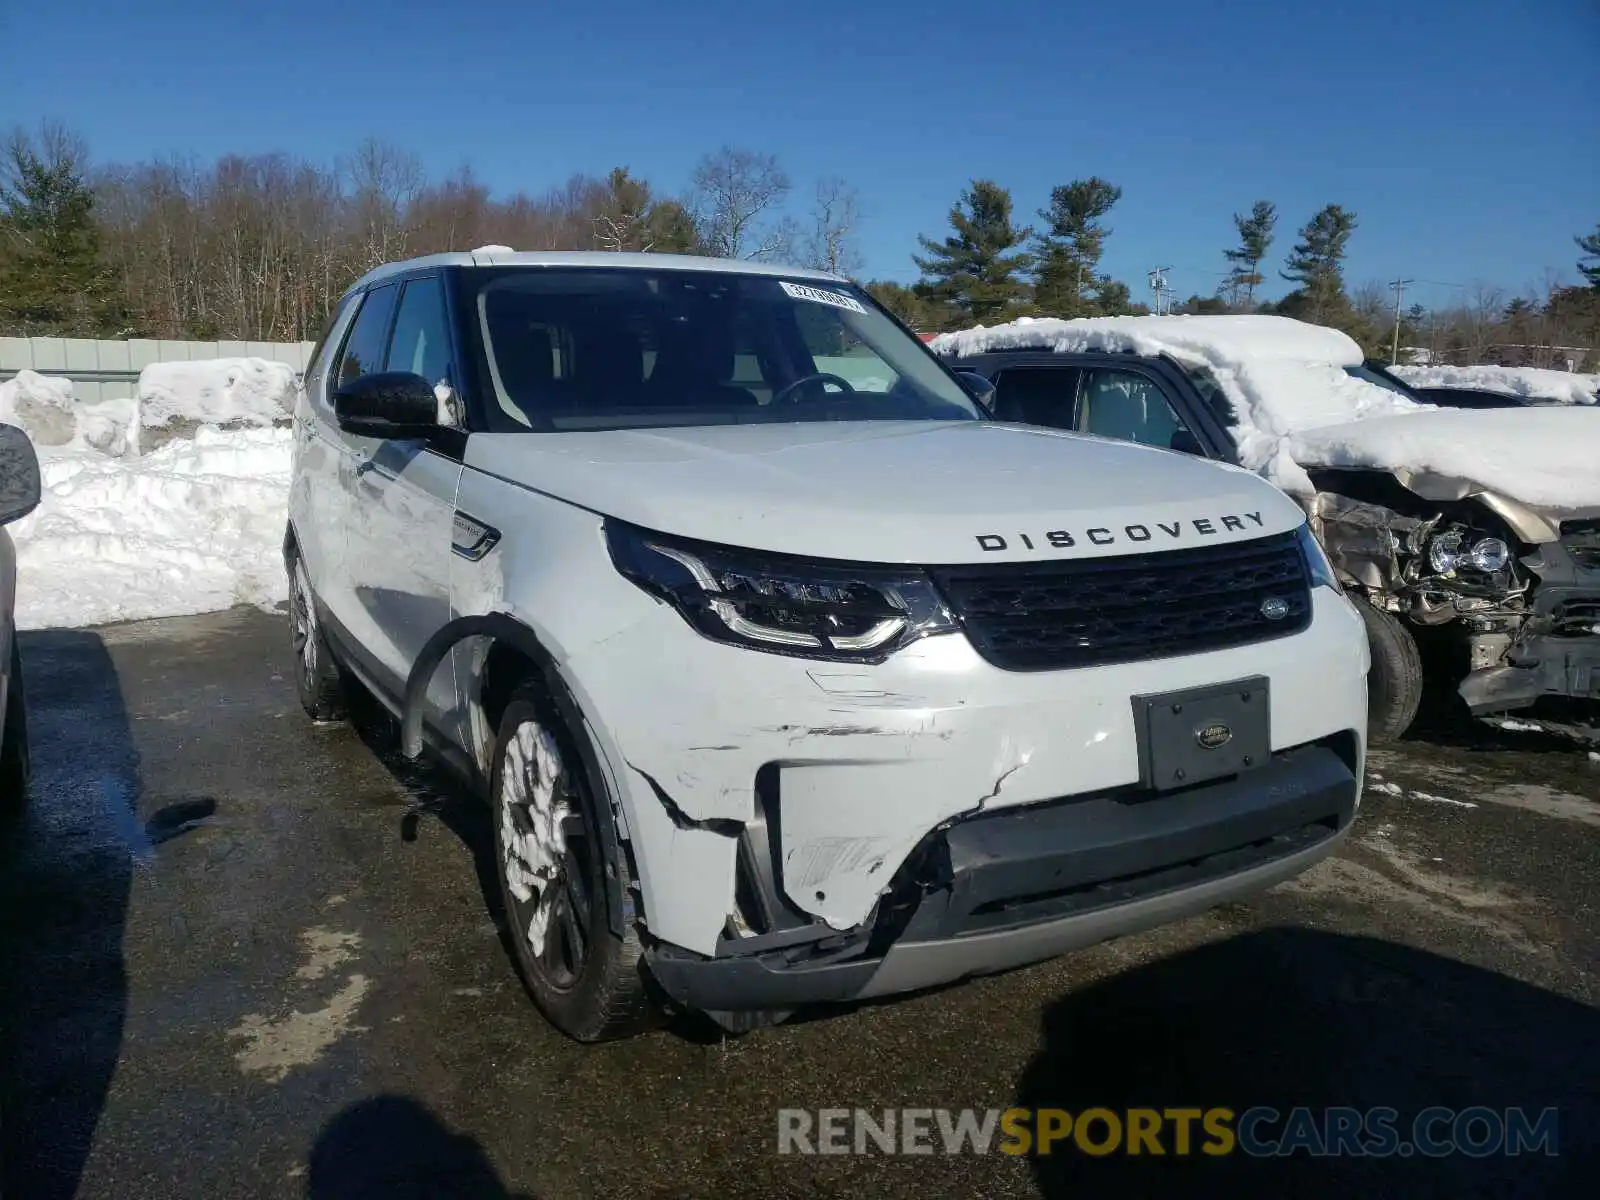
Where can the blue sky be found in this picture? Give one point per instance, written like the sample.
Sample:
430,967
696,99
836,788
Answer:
1464,134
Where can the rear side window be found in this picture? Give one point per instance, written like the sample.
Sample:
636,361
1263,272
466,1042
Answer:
368,340
1036,396
322,352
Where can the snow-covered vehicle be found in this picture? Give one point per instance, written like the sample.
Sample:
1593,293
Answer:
790,677
1478,530
19,495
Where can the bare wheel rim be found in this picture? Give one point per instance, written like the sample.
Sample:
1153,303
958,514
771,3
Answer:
547,856
303,618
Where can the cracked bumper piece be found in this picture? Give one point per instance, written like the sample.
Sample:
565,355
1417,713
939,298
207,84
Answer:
1544,666
1015,886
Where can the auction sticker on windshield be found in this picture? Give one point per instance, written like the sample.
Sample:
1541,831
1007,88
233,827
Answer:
820,296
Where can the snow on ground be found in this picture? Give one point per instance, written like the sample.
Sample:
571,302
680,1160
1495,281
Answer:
1280,375
1540,456
1561,387
194,526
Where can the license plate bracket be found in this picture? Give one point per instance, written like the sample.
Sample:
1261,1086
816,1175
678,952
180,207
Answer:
1203,733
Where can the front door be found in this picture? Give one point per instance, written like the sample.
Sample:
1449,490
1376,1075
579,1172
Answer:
403,491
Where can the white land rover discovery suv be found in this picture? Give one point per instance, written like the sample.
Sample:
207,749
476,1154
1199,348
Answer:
791,676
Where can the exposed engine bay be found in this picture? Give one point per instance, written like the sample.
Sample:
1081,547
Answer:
1521,584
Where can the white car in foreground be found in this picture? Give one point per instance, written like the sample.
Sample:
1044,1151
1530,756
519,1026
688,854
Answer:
792,677
19,496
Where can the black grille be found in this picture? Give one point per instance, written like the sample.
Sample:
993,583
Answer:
1089,612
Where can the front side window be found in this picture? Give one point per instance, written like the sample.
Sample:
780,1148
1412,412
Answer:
1130,408
421,344
630,349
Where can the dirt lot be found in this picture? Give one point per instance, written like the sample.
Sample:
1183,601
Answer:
243,957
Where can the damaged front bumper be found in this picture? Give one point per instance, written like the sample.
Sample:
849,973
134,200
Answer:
1557,650
777,806
1002,889
1532,631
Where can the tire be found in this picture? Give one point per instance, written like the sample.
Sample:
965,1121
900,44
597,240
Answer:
16,766
1394,685
317,676
588,983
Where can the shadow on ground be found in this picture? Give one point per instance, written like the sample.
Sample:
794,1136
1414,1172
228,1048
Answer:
395,1148
1294,1017
66,863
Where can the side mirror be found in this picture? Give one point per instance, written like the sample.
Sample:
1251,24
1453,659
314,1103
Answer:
19,475
978,387
390,404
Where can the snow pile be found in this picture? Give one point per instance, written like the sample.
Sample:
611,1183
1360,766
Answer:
216,391
1281,376
44,407
1560,387
194,526
1540,456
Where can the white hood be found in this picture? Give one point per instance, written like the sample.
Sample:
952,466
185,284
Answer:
904,492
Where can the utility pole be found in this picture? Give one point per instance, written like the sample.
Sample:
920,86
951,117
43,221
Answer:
1158,284
1399,286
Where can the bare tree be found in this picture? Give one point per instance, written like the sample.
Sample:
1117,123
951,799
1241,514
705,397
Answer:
737,195
385,182
1485,303
835,212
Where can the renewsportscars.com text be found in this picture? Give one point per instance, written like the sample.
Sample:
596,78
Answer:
1260,1132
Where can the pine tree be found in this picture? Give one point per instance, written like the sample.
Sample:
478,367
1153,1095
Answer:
52,280
1255,238
903,302
1067,254
978,272
1317,264
1589,264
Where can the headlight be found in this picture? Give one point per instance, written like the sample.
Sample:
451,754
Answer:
1444,553
1318,567
1489,555
1449,552
780,604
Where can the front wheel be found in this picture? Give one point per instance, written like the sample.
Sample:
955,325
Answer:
317,677
588,982
1394,685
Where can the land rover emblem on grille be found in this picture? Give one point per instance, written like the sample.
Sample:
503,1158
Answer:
1274,608
1211,736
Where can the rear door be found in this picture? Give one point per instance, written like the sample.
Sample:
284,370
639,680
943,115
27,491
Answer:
404,491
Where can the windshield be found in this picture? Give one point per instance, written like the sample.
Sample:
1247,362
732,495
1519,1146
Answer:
1368,375
631,349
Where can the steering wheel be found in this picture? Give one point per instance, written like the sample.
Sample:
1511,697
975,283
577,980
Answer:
821,377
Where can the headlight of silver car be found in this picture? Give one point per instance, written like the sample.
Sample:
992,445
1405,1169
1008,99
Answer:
782,604
1318,568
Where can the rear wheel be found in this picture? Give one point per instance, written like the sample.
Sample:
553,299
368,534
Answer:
317,677
1394,685
15,764
587,981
